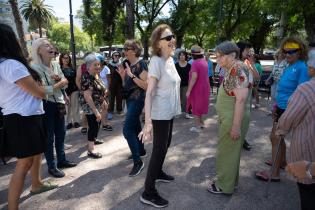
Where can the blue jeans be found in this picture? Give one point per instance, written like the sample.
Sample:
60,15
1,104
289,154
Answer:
56,132
132,128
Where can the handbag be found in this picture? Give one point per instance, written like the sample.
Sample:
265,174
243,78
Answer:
61,108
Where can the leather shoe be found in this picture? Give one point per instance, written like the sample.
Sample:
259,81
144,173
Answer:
66,164
98,141
55,172
247,146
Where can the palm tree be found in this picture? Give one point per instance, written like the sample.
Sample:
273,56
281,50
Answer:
37,12
19,26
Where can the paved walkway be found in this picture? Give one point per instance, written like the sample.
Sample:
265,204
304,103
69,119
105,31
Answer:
104,183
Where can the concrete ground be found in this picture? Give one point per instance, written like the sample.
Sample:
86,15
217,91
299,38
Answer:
104,183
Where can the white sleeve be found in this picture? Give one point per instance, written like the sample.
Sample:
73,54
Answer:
154,69
12,71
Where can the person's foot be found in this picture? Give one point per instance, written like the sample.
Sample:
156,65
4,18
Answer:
154,200
188,116
214,189
264,176
55,172
142,154
137,168
107,127
83,130
69,126
76,125
247,146
66,164
195,129
46,186
109,116
98,141
163,177
67,146
121,113
94,155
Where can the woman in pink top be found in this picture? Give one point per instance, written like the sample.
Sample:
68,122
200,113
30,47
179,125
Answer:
198,91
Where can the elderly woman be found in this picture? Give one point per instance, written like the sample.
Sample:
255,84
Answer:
94,96
198,90
162,104
233,109
293,75
134,73
299,118
54,105
24,132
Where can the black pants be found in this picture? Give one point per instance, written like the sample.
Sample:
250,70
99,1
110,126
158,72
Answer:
162,136
115,95
94,127
307,196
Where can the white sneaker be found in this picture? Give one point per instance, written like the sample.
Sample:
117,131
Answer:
195,129
187,116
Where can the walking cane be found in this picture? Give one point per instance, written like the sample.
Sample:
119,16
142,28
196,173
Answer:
273,165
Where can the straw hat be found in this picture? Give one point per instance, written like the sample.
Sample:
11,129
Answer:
196,50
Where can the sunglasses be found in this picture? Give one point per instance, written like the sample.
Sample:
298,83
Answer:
116,55
290,52
128,48
66,58
168,38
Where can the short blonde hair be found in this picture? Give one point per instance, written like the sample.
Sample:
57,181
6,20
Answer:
36,58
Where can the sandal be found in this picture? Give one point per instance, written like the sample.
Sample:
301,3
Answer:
269,163
95,155
264,176
44,188
84,130
107,127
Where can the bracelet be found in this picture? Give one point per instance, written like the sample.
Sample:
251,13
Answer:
133,77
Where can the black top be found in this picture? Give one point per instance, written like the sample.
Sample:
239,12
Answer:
136,92
183,73
70,74
114,75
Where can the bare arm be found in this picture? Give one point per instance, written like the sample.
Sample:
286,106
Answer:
147,129
142,81
90,102
240,100
192,82
29,85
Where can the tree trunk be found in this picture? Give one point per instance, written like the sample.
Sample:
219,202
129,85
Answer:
130,19
179,40
19,26
145,43
309,18
40,31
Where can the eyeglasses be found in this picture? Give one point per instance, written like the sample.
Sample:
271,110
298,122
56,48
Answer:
116,55
128,48
66,58
168,38
290,52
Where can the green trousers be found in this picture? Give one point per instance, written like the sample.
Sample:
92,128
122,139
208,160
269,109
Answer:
229,151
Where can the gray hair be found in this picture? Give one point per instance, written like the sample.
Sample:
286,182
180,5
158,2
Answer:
228,47
89,59
311,58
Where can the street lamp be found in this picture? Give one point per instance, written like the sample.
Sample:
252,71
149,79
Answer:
74,62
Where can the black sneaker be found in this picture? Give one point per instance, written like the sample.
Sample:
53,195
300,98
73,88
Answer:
55,172
98,141
163,177
247,146
154,200
136,169
69,126
143,154
107,127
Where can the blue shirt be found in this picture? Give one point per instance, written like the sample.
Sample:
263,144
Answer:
210,71
292,76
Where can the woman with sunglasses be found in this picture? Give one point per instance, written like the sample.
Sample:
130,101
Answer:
162,104
293,75
134,73
73,112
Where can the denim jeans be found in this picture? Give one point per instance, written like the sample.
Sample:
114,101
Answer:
132,127
56,132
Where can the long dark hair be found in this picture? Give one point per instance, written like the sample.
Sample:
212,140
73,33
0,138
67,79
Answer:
242,45
61,57
11,49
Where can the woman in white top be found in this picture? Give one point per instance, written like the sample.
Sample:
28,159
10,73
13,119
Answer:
24,133
162,103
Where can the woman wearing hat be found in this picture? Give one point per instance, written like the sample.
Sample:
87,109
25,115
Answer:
293,75
198,90
233,109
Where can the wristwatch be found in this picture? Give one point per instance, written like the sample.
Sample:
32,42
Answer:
308,171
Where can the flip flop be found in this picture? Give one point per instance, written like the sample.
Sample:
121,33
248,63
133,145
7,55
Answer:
264,176
269,163
45,187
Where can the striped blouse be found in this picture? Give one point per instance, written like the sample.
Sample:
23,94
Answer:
299,118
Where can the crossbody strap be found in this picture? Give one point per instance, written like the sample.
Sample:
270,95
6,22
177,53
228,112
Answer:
49,84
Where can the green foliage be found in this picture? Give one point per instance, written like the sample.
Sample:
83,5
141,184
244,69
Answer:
59,34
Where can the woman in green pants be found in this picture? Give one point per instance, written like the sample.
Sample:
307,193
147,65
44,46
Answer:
233,109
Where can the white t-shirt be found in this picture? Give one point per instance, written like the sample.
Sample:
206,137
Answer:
166,99
13,99
103,75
